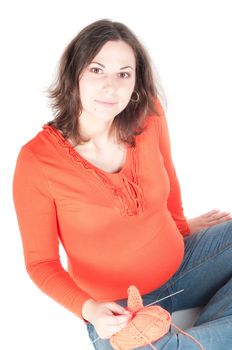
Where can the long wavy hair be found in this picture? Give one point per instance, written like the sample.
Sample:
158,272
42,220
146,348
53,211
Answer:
64,91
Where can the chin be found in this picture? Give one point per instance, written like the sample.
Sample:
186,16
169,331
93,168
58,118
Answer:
104,115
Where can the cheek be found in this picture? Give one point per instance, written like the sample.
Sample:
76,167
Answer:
128,89
126,93
87,90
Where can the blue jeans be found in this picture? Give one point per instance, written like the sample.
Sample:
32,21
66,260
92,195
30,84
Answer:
206,277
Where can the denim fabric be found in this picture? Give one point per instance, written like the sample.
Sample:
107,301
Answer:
206,277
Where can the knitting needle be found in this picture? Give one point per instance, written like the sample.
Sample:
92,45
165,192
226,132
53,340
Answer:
168,296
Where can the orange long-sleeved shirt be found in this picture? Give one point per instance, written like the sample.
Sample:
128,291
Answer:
117,229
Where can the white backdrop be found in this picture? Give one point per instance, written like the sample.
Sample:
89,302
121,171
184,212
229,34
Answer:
190,44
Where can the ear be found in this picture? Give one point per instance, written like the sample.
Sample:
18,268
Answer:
134,299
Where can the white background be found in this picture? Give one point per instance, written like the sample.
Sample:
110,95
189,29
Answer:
190,44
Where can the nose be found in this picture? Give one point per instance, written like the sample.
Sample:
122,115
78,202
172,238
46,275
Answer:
109,84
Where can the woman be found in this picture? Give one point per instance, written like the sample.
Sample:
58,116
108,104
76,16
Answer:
99,178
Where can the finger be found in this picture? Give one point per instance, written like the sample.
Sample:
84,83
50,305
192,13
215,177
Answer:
211,212
219,216
216,222
112,330
120,320
225,214
117,309
122,326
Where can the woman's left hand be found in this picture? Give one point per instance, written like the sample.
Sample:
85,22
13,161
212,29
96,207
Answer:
208,219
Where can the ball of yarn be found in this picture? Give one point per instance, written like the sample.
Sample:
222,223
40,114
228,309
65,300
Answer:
147,324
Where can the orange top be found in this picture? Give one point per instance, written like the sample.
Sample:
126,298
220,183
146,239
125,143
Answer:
117,229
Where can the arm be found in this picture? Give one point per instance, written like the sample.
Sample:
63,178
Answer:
174,202
36,213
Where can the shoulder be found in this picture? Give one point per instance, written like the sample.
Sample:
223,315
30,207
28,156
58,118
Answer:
32,153
31,163
33,141
38,144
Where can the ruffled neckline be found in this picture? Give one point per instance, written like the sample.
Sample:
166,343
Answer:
133,187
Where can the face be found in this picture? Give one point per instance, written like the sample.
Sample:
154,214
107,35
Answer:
107,83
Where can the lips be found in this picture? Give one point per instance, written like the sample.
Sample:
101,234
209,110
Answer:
106,103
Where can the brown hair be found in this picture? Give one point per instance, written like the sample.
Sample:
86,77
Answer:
64,92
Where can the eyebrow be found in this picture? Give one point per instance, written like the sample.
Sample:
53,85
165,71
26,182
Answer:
105,67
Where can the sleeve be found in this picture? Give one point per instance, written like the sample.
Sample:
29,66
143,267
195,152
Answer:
37,220
174,202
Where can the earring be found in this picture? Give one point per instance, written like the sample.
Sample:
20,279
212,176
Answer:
137,97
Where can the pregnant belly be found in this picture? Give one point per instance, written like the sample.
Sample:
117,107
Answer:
147,266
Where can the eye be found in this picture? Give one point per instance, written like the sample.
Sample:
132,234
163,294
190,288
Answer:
124,75
96,70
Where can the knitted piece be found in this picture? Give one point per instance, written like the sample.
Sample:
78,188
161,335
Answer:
148,324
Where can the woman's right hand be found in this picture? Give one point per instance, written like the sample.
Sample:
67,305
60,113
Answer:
107,318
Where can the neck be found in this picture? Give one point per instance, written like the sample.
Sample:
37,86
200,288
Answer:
98,131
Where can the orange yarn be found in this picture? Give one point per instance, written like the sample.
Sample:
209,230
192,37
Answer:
147,324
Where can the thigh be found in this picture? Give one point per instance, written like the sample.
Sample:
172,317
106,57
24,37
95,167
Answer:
104,344
97,342
206,266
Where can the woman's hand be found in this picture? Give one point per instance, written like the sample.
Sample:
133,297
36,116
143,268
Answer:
211,218
107,318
